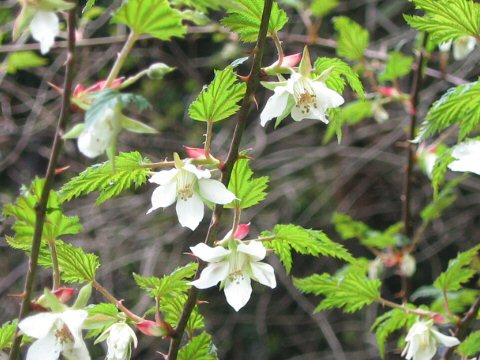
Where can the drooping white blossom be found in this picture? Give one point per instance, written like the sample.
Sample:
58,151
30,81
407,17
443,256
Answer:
461,47
57,334
234,267
423,339
44,26
189,187
303,97
119,338
467,155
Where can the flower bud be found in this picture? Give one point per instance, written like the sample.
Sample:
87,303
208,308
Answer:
64,294
151,328
242,231
379,113
83,297
407,265
195,153
158,71
387,91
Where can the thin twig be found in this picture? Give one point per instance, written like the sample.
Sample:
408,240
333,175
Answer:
41,207
122,56
252,84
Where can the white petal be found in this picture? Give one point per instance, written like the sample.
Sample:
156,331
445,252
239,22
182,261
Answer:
425,352
190,211
163,196
238,291
444,47
77,353
264,274
275,105
445,340
255,249
39,325
209,254
74,320
44,27
90,145
163,177
200,174
468,157
215,191
463,46
211,275
326,97
46,348
297,114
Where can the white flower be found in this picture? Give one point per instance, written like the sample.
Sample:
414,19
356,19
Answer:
97,136
463,46
56,333
303,97
189,186
422,341
235,266
44,27
119,338
467,157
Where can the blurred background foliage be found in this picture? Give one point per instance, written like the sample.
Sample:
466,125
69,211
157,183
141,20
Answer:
310,180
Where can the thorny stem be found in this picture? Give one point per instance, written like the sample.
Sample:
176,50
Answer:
407,179
252,84
158,164
278,45
208,139
55,268
393,305
118,303
41,207
122,56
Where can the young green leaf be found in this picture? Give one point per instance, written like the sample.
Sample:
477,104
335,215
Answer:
128,172
248,190
102,316
350,292
321,8
7,333
22,60
172,308
440,168
348,228
153,17
447,20
444,199
349,114
459,105
244,17
398,65
352,38
338,72
459,271
199,348
219,100
471,345
75,265
288,238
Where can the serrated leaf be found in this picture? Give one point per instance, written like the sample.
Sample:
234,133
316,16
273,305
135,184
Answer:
219,100
350,292
22,60
339,71
348,228
171,285
398,65
444,199
446,20
471,345
459,105
352,38
390,322
7,334
75,265
128,172
248,190
350,114
321,8
172,308
153,17
103,316
199,347
303,241
244,17
458,271
444,158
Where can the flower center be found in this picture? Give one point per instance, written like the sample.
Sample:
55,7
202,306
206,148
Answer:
185,185
64,335
238,261
305,97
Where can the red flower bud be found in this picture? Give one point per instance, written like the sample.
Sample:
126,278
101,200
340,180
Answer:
387,91
64,294
195,153
151,328
242,231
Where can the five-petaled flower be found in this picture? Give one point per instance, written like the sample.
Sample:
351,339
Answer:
234,267
189,186
423,339
467,157
119,338
57,334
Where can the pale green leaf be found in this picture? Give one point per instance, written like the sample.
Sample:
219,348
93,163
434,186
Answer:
444,199
199,347
349,114
352,38
444,158
22,60
471,345
398,65
321,8
75,265
172,307
7,334
339,71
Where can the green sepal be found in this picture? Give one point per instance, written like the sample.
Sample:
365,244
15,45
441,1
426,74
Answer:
21,22
50,301
158,71
286,112
135,126
83,297
271,85
54,5
178,161
305,67
74,132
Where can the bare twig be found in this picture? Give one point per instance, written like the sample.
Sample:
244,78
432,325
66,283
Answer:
252,84
41,207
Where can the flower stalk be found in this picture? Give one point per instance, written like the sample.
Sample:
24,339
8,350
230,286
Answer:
122,56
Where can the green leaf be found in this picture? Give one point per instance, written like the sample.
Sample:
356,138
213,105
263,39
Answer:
128,172
7,334
136,126
172,308
349,292
447,20
398,65
218,100
171,285
321,8
471,345
440,168
459,105
244,17
100,317
22,60
75,265
458,271
390,322
88,6
352,38
23,210
199,348
339,71
248,190
446,198
348,228
153,17
303,241
350,114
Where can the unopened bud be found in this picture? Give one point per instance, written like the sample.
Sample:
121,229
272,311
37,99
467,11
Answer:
195,153
64,294
151,328
407,265
242,231
158,71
